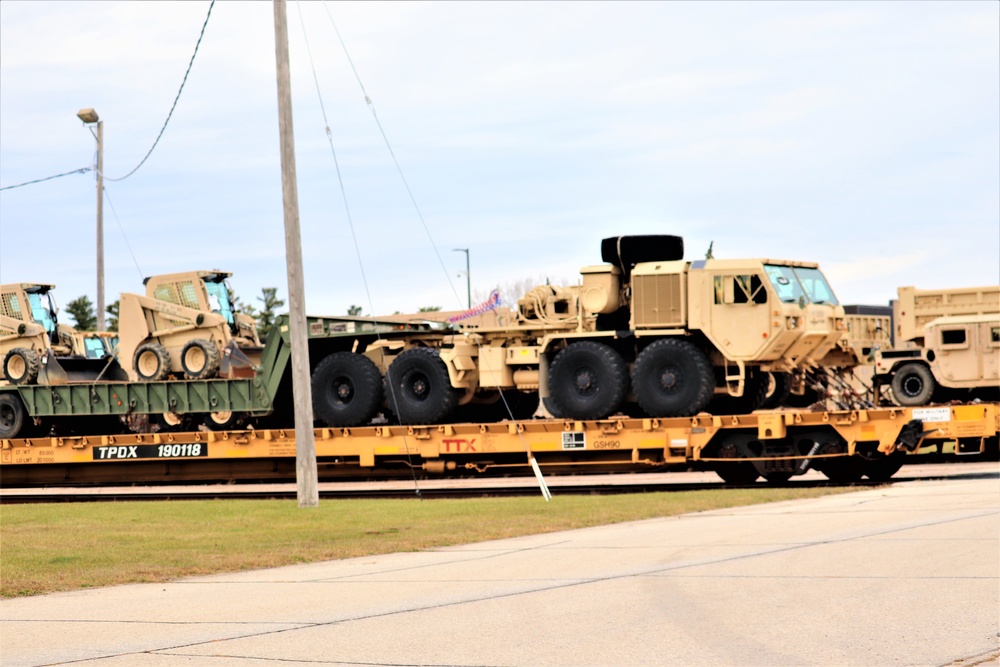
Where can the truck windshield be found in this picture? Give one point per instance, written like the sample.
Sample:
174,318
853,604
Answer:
785,283
218,300
40,312
816,286
792,284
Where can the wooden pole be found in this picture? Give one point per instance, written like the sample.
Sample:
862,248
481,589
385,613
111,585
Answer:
305,446
100,225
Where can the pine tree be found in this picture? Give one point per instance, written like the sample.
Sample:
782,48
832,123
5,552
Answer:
82,312
111,323
267,315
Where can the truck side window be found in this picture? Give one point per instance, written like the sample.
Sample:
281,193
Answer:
748,289
953,337
995,335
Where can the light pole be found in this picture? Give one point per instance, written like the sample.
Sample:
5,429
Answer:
468,279
89,117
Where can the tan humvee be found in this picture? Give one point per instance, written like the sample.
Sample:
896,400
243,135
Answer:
36,349
186,326
947,345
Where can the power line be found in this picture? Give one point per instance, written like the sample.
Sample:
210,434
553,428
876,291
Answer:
176,99
82,170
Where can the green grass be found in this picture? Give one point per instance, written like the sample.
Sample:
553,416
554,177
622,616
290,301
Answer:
60,547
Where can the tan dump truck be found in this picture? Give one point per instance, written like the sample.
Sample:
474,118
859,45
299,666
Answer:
947,346
186,326
647,332
36,349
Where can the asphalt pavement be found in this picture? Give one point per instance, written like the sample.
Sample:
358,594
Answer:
900,575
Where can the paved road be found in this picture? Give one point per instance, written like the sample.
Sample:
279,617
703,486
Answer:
905,575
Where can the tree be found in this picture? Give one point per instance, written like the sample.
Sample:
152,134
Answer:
267,315
82,311
354,311
111,324
429,309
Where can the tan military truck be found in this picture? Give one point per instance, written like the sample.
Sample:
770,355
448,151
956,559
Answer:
186,326
36,348
645,332
947,346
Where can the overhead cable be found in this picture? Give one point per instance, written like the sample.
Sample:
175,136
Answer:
82,170
176,99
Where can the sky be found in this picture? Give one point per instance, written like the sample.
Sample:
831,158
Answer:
864,136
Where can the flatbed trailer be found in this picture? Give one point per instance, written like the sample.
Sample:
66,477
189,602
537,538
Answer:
777,444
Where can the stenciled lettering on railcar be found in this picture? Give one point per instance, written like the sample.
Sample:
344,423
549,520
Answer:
164,451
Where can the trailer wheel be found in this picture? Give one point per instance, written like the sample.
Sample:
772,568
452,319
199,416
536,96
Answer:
346,389
587,380
881,469
418,389
741,473
842,470
14,421
200,359
672,378
20,366
913,384
151,362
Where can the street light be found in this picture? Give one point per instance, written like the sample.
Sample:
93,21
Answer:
468,279
90,117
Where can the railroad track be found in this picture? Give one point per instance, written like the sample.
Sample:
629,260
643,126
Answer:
461,487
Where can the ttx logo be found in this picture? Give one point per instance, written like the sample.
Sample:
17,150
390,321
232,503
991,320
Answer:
459,445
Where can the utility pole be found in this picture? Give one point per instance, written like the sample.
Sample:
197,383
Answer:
468,278
89,117
305,447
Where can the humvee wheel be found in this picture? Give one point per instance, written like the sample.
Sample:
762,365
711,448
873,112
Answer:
200,359
913,384
151,362
418,389
346,389
739,473
20,366
672,378
587,380
14,421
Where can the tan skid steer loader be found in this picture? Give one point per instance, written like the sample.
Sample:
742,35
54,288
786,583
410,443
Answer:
36,349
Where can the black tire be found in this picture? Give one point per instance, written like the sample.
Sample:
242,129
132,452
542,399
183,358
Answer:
913,384
740,473
224,421
346,389
151,362
587,380
21,365
882,469
842,470
200,359
14,420
672,378
418,389
779,386
552,408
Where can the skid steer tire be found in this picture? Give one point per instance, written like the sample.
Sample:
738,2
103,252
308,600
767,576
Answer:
418,389
587,380
672,378
21,365
200,359
151,362
346,389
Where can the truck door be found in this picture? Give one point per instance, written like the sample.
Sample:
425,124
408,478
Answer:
958,356
989,343
740,319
